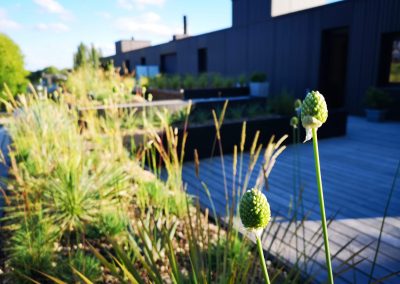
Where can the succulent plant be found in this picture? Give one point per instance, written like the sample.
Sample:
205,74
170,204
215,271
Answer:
254,210
314,112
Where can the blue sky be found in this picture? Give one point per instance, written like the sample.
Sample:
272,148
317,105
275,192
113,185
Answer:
48,31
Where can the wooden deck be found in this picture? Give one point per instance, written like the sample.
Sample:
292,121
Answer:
358,172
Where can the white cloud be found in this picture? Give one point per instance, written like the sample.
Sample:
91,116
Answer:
130,4
6,23
152,17
53,7
50,6
55,54
107,48
151,2
146,26
104,15
54,27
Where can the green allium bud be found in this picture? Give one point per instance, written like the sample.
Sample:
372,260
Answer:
297,104
254,210
294,122
314,112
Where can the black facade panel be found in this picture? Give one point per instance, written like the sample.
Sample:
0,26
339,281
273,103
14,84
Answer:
288,47
236,51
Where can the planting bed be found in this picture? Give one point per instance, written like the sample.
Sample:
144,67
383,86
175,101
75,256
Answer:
202,133
187,94
231,131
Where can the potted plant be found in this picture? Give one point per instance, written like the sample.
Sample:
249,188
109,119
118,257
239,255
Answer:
376,104
259,87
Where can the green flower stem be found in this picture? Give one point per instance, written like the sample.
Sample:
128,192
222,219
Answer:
322,206
262,259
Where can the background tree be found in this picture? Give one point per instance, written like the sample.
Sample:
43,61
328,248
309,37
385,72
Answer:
86,56
12,71
94,57
81,56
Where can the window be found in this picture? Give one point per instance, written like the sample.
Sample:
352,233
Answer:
142,60
202,60
127,64
168,63
389,73
394,69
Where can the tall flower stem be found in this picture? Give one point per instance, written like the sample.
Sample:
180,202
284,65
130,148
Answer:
262,259
322,205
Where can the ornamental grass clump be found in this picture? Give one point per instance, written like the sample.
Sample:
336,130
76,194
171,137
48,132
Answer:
314,113
255,215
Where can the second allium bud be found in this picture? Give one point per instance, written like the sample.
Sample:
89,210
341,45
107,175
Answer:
314,112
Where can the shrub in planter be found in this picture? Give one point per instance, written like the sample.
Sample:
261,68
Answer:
189,82
202,81
259,86
282,104
217,81
242,80
376,104
174,82
258,77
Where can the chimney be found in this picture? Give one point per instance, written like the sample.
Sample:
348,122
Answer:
184,25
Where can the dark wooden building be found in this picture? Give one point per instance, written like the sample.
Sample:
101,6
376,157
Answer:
341,49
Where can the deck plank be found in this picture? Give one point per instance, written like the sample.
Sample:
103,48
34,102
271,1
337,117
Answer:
358,172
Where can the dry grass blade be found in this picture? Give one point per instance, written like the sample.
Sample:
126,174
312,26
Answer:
52,278
353,256
387,277
353,265
371,274
81,276
196,163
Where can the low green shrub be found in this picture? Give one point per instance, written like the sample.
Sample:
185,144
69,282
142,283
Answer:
86,264
153,193
30,248
87,83
108,224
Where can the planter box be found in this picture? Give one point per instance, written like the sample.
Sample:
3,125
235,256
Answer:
162,94
202,137
216,93
259,89
375,115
